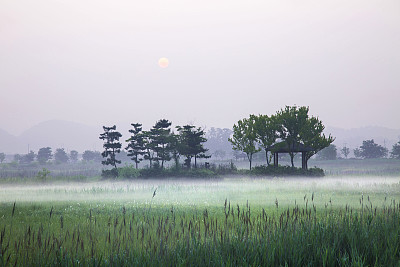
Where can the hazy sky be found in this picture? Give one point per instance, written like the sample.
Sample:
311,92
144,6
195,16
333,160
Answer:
96,61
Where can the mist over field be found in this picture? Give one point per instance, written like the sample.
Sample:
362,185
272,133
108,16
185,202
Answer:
209,192
208,133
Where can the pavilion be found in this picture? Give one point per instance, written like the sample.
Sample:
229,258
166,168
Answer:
283,147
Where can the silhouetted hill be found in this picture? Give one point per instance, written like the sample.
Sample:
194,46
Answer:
7,142
55,134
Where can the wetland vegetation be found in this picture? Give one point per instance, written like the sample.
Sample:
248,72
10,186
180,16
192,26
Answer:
269,222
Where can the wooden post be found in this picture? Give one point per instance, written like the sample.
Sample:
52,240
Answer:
276,159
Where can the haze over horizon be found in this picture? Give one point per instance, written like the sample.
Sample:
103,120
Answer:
96,62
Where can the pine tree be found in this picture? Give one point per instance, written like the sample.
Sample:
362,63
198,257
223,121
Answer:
161,138
136,144
111,145
191,144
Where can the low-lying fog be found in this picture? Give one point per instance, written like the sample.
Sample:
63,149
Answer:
340,191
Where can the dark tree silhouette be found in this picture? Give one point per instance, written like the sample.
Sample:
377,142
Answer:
28,158
328,153
44,155
191,141
395,153
149,147
61,156
111,145
136,144
161,139
371,150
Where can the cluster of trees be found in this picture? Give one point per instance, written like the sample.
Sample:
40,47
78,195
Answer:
289,127
45,155
157,145
368,150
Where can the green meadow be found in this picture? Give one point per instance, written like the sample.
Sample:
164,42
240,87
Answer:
330,221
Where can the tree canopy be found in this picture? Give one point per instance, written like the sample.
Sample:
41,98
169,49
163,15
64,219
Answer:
61,156
371,150
292,125
44,155
191,143
395,153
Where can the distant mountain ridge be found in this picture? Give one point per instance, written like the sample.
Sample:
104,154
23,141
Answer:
80,137
55,134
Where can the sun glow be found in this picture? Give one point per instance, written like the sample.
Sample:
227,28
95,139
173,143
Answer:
163,62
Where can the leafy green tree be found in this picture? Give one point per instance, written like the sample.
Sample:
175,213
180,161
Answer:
345,151
191,140
28,158
136,144
2,157
111,145
291,120
44,155
244,138
297,127
266,131
61,156
328,153
395,153
311,135
370,150
73,155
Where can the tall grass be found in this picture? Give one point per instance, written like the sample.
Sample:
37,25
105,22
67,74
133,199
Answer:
239,235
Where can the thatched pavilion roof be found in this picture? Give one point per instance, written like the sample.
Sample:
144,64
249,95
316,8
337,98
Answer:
282,147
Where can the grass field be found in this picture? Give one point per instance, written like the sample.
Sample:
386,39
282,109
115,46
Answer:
263,222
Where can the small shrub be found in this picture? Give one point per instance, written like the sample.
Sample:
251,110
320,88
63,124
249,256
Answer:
129,172
43,174
152,172
286,171
113,173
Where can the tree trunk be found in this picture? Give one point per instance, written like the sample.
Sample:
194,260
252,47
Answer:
114,159
266,156
250,159
195,161
291,159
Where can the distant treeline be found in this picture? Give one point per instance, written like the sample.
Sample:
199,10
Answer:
157,145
